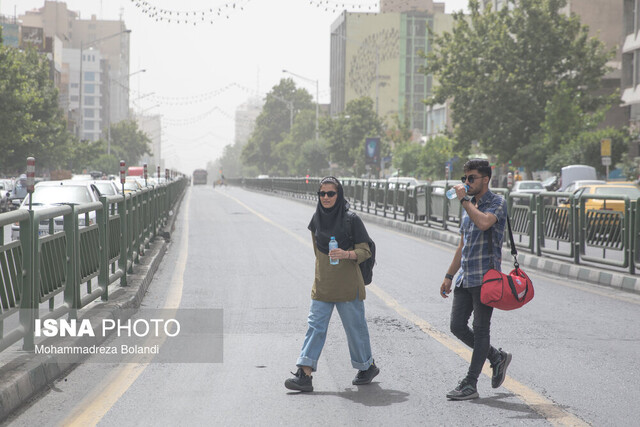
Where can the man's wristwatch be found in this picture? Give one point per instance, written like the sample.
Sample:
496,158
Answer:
466,198
448,276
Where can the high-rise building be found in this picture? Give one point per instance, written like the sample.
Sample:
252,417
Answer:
246,115
111,39
631,69
379,56
151,125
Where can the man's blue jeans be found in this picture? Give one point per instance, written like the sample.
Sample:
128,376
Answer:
355,325
465,301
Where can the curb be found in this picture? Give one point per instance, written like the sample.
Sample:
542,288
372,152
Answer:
560,268
24,375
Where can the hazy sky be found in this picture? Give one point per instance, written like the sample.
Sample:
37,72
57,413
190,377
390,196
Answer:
195,70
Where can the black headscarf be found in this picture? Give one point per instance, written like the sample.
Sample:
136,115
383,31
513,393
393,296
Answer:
328,222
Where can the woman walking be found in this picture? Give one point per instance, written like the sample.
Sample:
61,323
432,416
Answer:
336,285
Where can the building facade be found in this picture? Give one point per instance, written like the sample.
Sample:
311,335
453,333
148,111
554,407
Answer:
631,69
151,125
379,56
107,96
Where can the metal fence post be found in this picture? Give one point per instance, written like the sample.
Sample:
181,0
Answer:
102,217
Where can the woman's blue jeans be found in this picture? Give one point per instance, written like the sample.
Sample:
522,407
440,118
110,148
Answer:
354,323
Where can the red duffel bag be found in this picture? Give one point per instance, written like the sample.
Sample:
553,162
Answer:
506,291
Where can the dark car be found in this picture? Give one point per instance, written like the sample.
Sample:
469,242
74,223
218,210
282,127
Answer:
18,193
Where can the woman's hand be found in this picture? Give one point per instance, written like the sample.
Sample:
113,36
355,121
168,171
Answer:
340,254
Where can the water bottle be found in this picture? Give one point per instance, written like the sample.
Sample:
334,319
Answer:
451,193
333,244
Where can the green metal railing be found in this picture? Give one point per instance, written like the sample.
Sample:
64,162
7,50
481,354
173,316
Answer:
99,243
549,223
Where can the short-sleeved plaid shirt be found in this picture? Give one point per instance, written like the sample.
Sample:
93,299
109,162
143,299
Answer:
475,251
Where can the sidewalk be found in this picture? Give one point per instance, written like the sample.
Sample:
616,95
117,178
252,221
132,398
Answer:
23,375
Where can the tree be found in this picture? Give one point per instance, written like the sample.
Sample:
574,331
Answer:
273,124
346,133
129,143
31,123
502,69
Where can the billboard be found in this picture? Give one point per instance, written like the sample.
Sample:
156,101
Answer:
33,36
372,151
10,35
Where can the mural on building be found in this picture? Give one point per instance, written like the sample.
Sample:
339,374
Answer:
364,66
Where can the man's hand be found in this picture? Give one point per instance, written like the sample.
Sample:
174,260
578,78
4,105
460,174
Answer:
461,191
445,288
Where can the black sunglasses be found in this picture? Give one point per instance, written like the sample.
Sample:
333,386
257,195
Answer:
471,178
326,193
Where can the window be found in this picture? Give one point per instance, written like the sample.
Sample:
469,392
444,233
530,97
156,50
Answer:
89,125
90,76
74,85
89,88
89,100
89,113
74,98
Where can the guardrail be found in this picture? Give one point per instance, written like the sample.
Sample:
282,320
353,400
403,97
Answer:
60,267
550,223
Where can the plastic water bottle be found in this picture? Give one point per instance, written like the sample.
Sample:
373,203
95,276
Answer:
333,244
451,193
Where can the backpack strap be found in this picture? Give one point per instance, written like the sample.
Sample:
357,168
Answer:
348,219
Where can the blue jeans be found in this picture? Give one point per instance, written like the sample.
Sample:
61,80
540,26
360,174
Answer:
354,323
465,301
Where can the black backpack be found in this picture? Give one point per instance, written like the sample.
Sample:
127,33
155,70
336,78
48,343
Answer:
366,267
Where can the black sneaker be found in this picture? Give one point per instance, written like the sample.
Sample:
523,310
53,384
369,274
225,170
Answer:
365,377
465,391
300,381
500,369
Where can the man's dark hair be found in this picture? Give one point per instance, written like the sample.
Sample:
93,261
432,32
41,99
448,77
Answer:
481,165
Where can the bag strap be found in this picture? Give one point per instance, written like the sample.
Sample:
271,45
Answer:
515,292
512,243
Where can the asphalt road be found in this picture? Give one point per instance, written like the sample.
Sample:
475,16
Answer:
575,347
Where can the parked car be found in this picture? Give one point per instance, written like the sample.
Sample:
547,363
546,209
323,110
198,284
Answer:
18,193
132,184
526,187
107,187
582,183
629,189
48,194
6,186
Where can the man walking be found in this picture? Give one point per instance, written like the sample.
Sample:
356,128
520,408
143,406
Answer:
484,212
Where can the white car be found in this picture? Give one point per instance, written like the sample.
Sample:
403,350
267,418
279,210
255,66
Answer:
48,194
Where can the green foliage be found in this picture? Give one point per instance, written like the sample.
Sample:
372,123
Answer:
129,143
346,134
507,72
427,161
273,126
585,149
31,124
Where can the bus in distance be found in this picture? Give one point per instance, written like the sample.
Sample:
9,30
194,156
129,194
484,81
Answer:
199,177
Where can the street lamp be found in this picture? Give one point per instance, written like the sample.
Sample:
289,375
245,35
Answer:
109,107
82,47
317,94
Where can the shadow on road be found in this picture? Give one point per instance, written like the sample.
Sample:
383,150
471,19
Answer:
527,412
368,395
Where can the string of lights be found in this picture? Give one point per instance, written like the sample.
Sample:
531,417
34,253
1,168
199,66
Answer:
195,119
192,17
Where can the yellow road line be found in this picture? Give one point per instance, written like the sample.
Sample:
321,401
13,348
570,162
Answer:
101,399
540,404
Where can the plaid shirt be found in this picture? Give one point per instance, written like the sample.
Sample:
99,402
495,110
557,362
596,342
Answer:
475,251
